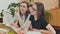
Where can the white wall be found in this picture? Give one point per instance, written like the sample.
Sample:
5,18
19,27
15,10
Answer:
49,4
4,5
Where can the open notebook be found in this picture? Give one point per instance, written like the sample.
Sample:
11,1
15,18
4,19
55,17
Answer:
33,32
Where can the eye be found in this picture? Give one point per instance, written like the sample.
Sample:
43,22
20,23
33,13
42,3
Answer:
23,6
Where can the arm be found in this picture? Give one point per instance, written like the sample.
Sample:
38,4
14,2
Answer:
27,26
19,18
20,21
19,31
14,24
49,31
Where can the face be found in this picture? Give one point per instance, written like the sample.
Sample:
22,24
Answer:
30,9
34,10
23,8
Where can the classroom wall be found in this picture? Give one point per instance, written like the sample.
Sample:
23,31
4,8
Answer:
4,3
49,4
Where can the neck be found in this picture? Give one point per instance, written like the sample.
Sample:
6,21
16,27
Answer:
23,14
35,17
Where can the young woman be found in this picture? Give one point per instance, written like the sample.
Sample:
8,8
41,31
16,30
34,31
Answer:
38,20
22,15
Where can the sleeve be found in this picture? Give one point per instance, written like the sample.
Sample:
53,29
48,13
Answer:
30,18
44,22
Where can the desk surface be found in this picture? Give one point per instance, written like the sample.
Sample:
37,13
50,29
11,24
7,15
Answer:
4,27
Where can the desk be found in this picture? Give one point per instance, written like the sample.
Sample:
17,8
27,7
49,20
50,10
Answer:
4,27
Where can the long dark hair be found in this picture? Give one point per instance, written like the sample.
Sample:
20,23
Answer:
40,9
27,12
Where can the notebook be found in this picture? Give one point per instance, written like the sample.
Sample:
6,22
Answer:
33,32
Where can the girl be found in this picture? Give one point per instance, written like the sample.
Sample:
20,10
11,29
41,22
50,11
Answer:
22,15
38,20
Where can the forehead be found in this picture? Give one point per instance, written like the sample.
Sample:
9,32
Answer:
24,4
34,6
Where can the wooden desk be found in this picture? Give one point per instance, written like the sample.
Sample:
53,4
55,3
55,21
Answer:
4,27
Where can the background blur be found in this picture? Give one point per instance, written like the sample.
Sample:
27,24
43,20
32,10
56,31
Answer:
51,6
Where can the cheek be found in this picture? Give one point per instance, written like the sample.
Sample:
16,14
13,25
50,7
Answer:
22,9
25,9
31,10
34,13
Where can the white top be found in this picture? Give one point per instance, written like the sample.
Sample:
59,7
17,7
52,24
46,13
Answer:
26,21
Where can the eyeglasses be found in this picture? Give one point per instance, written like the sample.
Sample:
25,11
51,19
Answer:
34,9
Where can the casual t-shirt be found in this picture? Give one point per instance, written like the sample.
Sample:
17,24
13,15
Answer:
40,23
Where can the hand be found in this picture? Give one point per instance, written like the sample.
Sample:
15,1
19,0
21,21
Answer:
23,32
15,25
17,14
20,32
